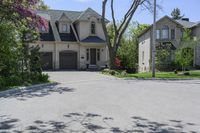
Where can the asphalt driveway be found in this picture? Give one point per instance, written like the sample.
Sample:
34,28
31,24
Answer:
88,102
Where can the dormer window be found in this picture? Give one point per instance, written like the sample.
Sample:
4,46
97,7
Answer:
64,28
93,28
44,29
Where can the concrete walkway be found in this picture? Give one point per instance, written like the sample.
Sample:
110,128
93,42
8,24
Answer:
88,102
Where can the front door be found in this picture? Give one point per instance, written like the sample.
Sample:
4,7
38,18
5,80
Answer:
93,54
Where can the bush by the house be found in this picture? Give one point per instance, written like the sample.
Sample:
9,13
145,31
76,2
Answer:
114,72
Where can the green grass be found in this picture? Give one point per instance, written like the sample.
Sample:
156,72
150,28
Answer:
162,75
167,75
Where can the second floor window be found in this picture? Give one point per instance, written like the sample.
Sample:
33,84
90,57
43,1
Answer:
142,56
44,29
165,32
93,28
64,28
157,34
172,33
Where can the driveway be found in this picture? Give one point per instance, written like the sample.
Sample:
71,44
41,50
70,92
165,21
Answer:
88,102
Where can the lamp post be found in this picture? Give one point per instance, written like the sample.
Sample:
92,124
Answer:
154,41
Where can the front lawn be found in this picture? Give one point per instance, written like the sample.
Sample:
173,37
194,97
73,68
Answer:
161,75
167,75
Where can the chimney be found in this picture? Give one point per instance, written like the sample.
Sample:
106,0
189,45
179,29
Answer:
186,19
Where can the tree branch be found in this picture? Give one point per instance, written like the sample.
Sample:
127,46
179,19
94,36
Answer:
104,2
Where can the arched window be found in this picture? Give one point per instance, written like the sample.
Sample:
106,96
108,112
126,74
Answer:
165,32
93,27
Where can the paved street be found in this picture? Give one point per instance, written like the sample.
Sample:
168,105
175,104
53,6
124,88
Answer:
89,102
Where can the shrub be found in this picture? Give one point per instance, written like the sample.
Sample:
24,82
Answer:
2,83
39,78
13,80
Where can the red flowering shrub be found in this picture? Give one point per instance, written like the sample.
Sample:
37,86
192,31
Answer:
118,63
15,10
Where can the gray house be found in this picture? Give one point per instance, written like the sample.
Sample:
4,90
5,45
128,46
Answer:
73,40
169,31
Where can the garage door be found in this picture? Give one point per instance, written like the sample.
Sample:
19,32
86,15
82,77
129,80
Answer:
68,60
46,60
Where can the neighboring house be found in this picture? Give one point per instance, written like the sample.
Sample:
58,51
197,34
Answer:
73,40
169,31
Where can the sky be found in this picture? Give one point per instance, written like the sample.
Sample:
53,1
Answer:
190,8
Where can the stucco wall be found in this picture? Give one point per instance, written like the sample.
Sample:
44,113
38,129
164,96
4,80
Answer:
83,56
145,42
56,48
196,31
171,25
144,48
84,27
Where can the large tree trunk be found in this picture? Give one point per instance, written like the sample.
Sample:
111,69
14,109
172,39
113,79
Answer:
112,56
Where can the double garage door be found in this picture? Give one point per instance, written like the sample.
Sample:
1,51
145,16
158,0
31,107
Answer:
67,59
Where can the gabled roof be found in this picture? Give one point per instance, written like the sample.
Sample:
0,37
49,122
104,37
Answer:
56,14
89,13
64,15
196,24
185,24
93,39
182,23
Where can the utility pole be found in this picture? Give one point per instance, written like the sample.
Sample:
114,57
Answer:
154,42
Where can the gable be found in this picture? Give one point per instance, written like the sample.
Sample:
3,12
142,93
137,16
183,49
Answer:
162,22
63,17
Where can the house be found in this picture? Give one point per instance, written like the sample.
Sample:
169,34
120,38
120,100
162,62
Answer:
169,31
74,40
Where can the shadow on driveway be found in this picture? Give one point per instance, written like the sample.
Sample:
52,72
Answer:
31,92
95,123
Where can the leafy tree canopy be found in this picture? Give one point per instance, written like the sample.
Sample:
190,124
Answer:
176,14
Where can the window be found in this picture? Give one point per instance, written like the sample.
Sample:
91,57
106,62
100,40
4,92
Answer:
87,55
173,34
43,29
165,32
64,28
157,34
98,54
93,28
142,56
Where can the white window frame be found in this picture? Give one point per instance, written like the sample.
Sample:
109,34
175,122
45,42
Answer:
165,29
42,29
61,26
91,26
66,30
158,34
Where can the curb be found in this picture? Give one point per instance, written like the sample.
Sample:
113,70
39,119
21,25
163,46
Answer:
164,79
23,88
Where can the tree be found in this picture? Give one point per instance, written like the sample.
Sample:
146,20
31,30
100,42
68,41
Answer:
128,50
21,12
19,25
185,52
42,5
176,14
163,55
119,30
